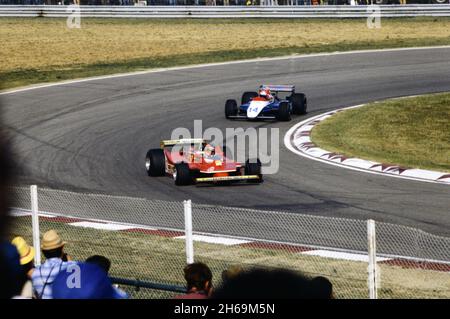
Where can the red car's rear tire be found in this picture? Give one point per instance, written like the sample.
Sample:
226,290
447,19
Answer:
182,175
253,168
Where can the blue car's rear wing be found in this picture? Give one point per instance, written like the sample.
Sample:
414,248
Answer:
279,88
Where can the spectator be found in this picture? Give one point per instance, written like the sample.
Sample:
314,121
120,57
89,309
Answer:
7,169
11,275
101,261
12,278
105,264
56,261
323,287
199,281
231,272
92,283
268,284
26,254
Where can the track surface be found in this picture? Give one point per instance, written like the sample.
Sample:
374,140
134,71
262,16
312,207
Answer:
92,136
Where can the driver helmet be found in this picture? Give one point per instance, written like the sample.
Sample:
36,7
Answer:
209,150
264,92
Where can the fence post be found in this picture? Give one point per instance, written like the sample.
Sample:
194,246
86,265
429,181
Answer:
188,231
372,268
35,225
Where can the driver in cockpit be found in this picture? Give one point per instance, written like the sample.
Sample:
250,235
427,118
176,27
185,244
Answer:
209,153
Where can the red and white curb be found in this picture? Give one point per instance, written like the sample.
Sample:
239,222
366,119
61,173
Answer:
298,140
249,243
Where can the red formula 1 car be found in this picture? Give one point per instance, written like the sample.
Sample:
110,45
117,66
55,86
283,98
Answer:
191,161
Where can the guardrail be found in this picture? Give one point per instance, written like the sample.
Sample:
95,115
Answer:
385,11
137,284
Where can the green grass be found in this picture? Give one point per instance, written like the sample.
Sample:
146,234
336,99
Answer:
160,259
411,132
44,50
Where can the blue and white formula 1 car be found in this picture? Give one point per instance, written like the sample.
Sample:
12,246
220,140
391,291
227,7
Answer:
268,104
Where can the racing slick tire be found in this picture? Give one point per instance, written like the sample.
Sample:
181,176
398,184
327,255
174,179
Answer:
231,108
182,174
299,103
155,162
252,168
284,112
247,96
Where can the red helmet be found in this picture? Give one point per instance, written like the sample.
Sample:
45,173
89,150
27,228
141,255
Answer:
264,92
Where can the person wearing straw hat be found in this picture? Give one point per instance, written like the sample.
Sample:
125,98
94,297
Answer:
43,276
94,284
26,254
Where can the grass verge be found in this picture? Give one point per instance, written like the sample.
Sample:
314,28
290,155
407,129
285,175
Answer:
161,259
36,50
411,132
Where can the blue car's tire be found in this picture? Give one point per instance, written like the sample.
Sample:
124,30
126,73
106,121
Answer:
155,162
284,112
248,96
231,108
253,168
182,175
299,103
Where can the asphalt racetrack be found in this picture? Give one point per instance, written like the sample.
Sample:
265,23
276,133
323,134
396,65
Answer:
92,136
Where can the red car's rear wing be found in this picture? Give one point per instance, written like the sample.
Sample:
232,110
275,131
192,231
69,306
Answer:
183,141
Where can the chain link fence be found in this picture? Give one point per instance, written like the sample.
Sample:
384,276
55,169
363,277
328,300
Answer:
145,240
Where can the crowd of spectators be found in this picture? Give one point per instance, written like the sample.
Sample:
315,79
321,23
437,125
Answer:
59,277
255,283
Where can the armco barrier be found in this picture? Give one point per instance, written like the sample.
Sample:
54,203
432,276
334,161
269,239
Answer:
386,11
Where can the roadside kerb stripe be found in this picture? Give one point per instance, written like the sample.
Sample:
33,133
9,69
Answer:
298,140
402,261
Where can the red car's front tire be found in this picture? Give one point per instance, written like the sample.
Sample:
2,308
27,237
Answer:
155,162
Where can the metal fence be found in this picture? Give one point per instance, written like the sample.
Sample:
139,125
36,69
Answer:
329,11
146,240
218,2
